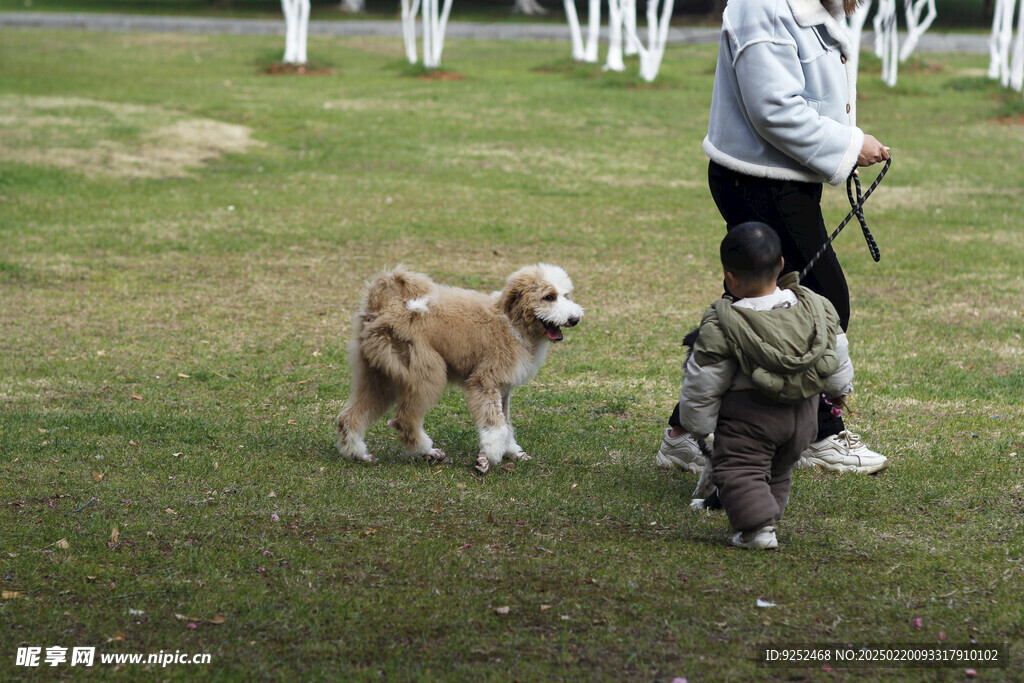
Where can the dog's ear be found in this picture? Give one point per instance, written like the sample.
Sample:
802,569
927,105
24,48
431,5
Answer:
508,300
513,296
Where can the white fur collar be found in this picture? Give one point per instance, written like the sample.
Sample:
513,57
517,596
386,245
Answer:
827,12
814,12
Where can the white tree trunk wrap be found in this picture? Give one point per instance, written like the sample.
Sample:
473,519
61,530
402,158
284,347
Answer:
409,10
886,40
999,45
916,26
856,30
575,35
435,23
529,8
593,31
657,37
296,22
616,19
629,25
1017,67
1010,73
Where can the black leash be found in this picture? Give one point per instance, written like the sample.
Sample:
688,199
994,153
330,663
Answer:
857,204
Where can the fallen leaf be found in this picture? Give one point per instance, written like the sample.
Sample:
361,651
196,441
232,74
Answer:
490,516
216,466
507,467
177,455
116,637
182,375
136,397
291,422
545,608
573,486
114,535
503,610
62,544
193,621
10,595
271,495
170,511
98,476
437,508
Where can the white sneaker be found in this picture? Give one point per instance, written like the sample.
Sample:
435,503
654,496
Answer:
681,452
759,539
843,452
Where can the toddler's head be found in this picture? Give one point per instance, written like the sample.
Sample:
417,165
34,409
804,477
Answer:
752,259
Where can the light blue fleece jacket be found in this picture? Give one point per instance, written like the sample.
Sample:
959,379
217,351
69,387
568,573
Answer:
785,98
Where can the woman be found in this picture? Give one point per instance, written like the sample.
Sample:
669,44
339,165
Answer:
783,123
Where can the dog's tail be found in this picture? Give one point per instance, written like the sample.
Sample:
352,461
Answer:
394,290
382,335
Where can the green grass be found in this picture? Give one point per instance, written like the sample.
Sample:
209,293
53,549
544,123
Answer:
175,305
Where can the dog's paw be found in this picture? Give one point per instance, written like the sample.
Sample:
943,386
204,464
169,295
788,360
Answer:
435,455
365,457
519,455
697,505
483,465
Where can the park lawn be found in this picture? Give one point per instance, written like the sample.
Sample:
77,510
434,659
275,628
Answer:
185,239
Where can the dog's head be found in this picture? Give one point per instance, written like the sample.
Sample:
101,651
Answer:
538,301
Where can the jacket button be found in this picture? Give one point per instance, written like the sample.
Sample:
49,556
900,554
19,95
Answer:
842,58
847,108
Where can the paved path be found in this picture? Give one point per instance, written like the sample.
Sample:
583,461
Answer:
930,42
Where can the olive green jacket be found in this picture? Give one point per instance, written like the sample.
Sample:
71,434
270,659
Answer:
788,353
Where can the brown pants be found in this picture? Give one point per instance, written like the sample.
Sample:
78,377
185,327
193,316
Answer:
757,443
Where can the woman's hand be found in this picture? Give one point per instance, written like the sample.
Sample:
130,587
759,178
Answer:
872,151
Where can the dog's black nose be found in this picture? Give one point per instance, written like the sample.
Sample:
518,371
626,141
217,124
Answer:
572,322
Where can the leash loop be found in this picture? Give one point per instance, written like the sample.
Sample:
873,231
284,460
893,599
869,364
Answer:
857,209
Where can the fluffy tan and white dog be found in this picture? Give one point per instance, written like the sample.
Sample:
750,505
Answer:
413,336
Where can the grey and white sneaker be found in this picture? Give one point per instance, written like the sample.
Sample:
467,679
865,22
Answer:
682,452
843,452
758,539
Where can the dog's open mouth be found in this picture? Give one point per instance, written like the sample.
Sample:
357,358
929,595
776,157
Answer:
554,332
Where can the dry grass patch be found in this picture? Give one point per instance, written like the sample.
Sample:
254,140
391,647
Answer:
98,138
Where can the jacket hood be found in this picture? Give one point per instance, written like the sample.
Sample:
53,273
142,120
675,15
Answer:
783,342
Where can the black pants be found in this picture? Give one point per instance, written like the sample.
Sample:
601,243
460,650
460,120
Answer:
793,210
